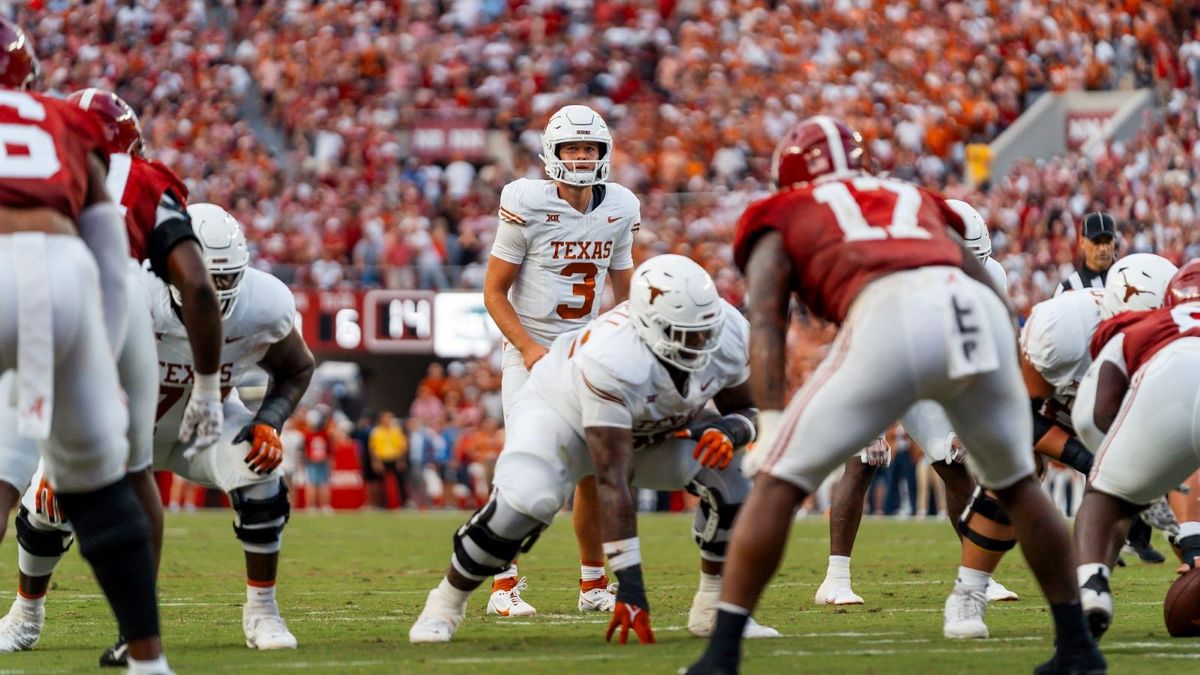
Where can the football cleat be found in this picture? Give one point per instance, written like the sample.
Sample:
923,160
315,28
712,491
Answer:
437,621
836,592
600,597
702,617
1097,602
20,629
506,598
963,616
996,592
116,656
264,627
1080,662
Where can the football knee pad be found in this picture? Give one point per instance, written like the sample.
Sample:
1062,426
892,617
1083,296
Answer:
259,514
984,512
488,543
39,542
713,520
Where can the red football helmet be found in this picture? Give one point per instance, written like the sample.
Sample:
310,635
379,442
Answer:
817,146
19,67
1185,285
122,130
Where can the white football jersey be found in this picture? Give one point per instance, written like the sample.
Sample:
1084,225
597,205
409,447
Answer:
1057,335
265,314
564,255
604,375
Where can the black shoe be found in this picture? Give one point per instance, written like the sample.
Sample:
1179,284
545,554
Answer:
1099,616
116,656
1087,662
1145,553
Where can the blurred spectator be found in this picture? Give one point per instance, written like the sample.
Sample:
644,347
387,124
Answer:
318,459
389,453
372,470
478,450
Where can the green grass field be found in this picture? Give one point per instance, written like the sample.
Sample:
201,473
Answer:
352,584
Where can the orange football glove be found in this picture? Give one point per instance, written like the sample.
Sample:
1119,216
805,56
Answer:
45,503
266,450
714,449
626,616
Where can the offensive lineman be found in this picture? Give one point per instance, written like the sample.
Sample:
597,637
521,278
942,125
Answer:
621,398
152,199
926,423
919,320
60,331
1136,409
556,243
258,314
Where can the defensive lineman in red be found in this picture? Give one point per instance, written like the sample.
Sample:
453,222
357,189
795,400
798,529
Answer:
918,319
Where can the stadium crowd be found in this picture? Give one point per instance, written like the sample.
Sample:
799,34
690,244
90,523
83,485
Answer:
293,115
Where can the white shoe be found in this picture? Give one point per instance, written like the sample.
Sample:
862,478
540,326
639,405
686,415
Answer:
702,617
996,592
598,599
1097,602
964,615
20,629
508,602
756,631
264,627
437,621
836,592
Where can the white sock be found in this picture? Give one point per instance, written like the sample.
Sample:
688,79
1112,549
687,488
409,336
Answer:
731,608
151,667
510,573
710,583
972,580
586,572
839,567
1086,570
260,594
1187,529
29,605
452,596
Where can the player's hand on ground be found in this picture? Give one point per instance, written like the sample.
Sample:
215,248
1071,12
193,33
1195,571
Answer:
45,503
266,450
202,420
532,354
626,616
878,453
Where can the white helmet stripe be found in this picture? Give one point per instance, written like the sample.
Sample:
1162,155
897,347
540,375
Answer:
834,138
86,101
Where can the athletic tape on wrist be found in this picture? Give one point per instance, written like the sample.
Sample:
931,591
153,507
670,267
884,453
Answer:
207,386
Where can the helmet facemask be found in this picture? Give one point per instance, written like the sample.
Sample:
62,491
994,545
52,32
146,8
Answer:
576,124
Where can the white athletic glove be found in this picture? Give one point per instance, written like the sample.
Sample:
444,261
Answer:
958,452
204,416
878,453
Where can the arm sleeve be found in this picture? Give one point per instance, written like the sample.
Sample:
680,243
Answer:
601,397
510,244
103,230
172,226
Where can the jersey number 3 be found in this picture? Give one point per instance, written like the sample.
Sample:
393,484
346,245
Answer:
849,215
585,290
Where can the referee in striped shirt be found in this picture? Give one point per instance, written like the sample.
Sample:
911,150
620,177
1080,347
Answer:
1098,243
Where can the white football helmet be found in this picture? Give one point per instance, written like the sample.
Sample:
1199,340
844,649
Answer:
676,311
977,238
223,245
1136,282
572,124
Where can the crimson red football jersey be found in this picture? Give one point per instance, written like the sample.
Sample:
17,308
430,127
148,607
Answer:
44,143
140,185
1109,328
1156,329
842,234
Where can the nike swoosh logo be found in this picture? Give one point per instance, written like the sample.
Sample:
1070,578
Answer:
613,219
704,387
229,340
